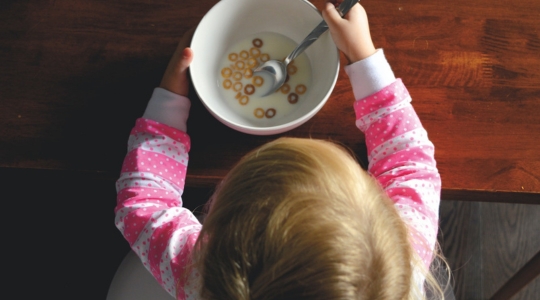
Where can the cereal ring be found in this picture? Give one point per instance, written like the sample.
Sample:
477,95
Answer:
259,113
233,56
257,43
293,98
255,52
227,83
291,69
300,89
257,81
270,113
237,76
226,72
244,54
237,86
265,57
243,100
238,95
252,62
285,88
248,73
249,89
239,65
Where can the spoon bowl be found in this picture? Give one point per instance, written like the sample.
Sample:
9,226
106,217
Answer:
277,71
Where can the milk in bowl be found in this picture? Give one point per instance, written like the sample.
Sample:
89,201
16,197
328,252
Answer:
243,91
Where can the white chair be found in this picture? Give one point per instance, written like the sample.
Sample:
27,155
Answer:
133,282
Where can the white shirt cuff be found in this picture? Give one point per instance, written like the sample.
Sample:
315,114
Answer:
168,108
370,75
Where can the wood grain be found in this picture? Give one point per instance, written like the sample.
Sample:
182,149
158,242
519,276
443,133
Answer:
486,244
520,280
510,239
76,74
460,238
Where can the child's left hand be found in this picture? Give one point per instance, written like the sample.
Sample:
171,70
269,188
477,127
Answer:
175,78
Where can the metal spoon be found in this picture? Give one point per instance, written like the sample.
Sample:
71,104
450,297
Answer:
278,69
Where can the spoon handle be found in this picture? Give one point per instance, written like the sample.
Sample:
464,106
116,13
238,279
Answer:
312,37
343,9
345,6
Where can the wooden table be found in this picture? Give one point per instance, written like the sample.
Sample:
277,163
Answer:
75,74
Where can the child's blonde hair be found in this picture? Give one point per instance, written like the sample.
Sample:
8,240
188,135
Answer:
300,219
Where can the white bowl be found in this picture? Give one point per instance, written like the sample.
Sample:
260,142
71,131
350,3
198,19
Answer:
230,21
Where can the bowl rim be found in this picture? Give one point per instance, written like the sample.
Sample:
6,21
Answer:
274,129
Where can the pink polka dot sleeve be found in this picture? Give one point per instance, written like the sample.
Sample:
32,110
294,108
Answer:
401,158
149,210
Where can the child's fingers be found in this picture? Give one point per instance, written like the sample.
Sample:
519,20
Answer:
354,12
331,15
184,42
186,59
180,80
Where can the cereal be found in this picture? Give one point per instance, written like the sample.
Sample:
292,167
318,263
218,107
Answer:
285,88
238,86
292,98
270,113
252,62
241,86
243,100
259,113
227,83
239,65
300,89
265,57
244,54
257,43
255,52
233,56
237,76
257,81
248,73
249,89
226,72
291,69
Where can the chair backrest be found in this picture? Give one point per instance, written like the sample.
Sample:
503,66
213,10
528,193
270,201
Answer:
133,282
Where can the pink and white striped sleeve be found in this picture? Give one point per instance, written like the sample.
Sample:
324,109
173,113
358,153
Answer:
149,210
401,157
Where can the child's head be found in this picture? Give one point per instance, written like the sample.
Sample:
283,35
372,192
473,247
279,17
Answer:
300,219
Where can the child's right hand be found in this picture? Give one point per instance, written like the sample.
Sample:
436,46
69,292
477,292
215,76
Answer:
351,33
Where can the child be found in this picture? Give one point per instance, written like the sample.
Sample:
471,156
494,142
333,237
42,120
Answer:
295,218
